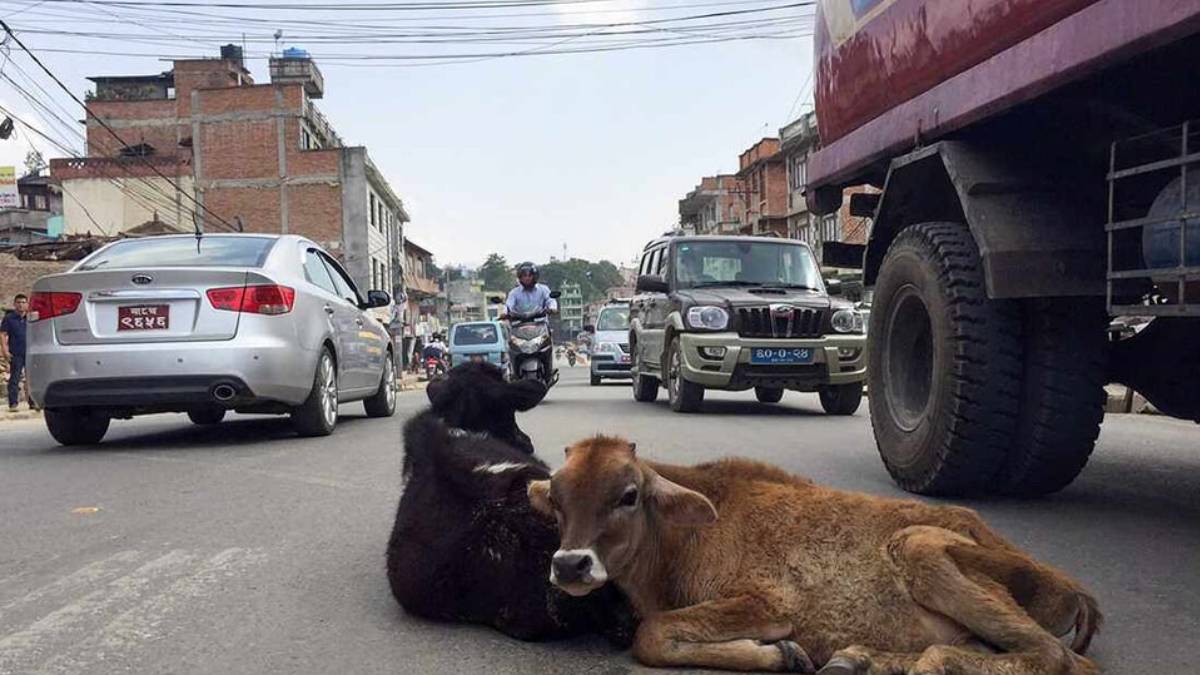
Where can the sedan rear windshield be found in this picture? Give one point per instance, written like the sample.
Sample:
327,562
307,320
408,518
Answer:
209,251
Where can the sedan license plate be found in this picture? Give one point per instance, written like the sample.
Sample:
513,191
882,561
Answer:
144,317
781,356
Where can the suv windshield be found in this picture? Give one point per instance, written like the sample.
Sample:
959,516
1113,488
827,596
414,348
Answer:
209,251
613,318
735,263
474,334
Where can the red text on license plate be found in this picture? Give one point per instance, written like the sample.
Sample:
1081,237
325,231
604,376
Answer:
144,317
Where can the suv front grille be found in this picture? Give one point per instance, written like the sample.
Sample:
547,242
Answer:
796,322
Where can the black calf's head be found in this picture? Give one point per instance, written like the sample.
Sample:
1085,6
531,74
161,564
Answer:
475,397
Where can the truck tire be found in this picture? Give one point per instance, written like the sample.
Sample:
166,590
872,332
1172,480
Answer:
944,367
317,416
383,402
684,396
768,394
1063,403
76,426
841,399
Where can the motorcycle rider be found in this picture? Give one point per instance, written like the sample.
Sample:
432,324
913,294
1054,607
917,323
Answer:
435,349
529,296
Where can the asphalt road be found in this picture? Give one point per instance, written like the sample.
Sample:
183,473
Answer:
242,549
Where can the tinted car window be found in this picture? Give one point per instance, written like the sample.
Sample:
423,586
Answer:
345,287
614,318
208,251
315,270
757,263
478,334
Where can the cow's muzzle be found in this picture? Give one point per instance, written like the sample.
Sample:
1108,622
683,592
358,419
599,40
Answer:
577,571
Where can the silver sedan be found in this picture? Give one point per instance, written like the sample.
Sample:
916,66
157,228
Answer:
252,323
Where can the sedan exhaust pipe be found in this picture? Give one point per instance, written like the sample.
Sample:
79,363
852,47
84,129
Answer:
223,393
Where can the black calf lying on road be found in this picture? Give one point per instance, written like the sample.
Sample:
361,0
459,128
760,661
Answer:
466,545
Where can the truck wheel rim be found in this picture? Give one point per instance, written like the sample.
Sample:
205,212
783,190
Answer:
908,359
328,391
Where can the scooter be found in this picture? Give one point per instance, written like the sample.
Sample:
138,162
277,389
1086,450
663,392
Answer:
435,368
531,351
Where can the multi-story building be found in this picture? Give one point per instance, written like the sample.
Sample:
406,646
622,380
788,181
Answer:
37,217
570,309
203,145
799,140
467,300
764,177
715,206
421,315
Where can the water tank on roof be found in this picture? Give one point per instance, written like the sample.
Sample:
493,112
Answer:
295,53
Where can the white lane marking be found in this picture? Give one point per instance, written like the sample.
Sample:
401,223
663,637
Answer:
148,620
83,579
499,467
19,646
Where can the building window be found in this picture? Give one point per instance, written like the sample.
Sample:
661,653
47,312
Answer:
829,228
798,172
371,201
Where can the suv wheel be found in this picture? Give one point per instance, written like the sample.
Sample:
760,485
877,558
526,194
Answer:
317,416
383,402
841,399
76,426
207,415
768,394
595,380
645,388
684,396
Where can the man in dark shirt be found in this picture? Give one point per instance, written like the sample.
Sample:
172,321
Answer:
12,346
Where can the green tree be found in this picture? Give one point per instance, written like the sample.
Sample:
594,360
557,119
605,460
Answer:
496,273
593,278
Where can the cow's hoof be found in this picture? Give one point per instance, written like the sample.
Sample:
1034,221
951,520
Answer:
840,665
795,660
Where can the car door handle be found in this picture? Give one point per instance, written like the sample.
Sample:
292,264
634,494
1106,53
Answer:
328,310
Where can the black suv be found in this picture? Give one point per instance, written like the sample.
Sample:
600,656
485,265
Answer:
740,313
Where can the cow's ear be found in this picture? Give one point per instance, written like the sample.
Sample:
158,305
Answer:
680,506
539,496
524,394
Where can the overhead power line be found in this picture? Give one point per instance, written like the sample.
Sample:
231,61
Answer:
106,127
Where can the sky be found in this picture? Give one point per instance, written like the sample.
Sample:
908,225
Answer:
518,155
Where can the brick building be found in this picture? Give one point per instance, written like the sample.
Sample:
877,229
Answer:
764,177
259,157
716,206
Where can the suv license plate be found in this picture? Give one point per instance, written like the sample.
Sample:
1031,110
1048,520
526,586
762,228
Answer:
781,355
144,317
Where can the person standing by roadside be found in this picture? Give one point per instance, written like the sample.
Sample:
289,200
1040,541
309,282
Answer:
12,346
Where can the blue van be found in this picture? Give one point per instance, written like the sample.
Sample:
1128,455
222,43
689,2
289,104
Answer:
479,341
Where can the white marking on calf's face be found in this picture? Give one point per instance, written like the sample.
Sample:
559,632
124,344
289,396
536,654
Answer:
499,467
595,577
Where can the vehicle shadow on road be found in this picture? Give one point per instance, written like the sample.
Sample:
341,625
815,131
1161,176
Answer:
183,435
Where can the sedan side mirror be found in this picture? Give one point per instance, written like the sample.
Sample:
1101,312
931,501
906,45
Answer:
652,283
378,299
496,299
589,328
833,286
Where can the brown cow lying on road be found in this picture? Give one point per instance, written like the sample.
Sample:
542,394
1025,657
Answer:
793,574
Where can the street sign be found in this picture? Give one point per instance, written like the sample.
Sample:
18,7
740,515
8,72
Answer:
9,197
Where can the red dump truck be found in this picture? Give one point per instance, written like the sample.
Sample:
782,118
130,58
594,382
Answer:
1037,172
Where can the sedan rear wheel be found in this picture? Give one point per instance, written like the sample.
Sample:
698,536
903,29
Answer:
76,426
317,416
383,402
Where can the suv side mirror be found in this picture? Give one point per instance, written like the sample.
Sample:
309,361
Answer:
556,294
378,299
833,286
589,328
652,283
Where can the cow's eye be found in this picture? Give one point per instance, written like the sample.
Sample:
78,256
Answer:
629,498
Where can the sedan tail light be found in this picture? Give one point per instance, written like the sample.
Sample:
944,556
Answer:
47,305
265,299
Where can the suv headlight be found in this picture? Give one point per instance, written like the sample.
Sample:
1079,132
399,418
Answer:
708,317
847,321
